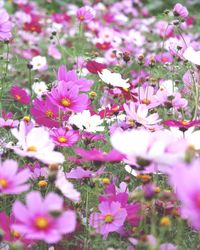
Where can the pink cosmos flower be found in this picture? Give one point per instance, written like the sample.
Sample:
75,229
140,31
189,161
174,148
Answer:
54,52
10,235
80,173
185,180
5,26
69,99
180,10
63,137
7,122
85,14
13,181
20,95
71,78
140,115
43,219
45,112
110,219
99,156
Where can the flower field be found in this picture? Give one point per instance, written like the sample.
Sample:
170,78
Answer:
99,125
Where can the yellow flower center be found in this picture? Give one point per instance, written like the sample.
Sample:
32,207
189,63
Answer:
32,149
15,234
41,223
81,17
26,118
3,183
42,183
108,218
65,102
62,139
146,101
49,113
185,122
18,97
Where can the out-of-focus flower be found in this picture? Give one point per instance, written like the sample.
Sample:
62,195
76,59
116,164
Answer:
43,219
39,63
180,10
99,156
39,88
66,187
192,56
7,122
85,14
114,79
20,95
185,181
5,26
12,181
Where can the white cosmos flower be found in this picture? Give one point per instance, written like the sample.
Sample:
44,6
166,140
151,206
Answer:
39,62
84,120
114,79
39,88
35,143
192,56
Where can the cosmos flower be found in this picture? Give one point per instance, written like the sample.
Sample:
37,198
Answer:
87,122
180,10
185,180
7,122
66,187
192,56
85,14
39,88
45,112
114,79
43,218
39,63
69,99
20,95
36,143
12,181
5,26
110,218
63,137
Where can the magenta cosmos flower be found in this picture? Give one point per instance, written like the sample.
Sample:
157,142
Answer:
99,156
20,95
185,180
71,79
85,14
180,10
5,26
110,219
69,99
13,181
181,124
43,219
45,112
63,137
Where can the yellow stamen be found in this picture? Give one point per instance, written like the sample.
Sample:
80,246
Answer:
3,183
41,223
65,102
62,139
108,218
42,183
49,113
32,149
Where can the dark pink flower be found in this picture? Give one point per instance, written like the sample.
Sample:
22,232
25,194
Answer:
45,112
181,124
95,67
99,156
20,95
